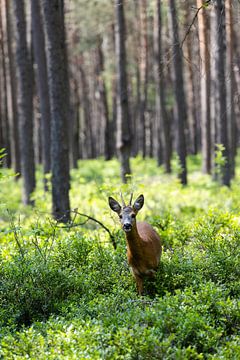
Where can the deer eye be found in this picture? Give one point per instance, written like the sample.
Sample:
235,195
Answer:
133,216
120,216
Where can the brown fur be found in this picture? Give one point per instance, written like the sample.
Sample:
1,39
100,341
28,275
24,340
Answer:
143,243
143,252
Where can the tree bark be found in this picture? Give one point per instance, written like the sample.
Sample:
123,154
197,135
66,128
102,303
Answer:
59,105
25,103
113,122
42,85
221,129
4,94
74,122
232,126
179,93
1,115
191,86
103,100
123,116
13,119
205,88
136,104
162,121
89,140
143,73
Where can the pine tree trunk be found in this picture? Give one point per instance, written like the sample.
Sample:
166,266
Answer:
42,85
103,100
136,104
143,64
232,126
205,88
59,105
1,114
179,93
4,95
89,141
13,119
162,126
221,130
113,122
25,103
191,86
1,125
123,116
74,124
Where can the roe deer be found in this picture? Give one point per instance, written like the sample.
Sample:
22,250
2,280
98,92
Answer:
143,243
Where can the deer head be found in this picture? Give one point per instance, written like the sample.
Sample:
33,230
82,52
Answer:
127,213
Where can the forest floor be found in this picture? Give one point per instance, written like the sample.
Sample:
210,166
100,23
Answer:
65,293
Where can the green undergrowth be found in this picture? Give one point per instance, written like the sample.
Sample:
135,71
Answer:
65,293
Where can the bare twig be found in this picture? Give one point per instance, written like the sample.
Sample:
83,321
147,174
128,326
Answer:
14,230
92,219
102,225
204,5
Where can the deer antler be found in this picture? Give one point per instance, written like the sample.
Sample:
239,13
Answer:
131,197
123,202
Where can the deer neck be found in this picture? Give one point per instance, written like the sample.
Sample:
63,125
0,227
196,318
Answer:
133,240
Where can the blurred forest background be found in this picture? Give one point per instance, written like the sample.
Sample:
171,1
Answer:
86,79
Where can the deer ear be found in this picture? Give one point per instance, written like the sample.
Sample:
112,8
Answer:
114,205
138,204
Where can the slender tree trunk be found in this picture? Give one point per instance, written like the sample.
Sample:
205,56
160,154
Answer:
236,81
96,115
143,64
5,115
37,132
25,103
220,89
237,64
191,86
162,128
42,85
123,116
1,125
74,124
136,127
232,127
113,106
213,91
205,88
59,104
90,144
181,109
113,123
1,114
158,78
103,100
13,119
136,86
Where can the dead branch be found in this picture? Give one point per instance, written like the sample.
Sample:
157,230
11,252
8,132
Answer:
72,224
203,6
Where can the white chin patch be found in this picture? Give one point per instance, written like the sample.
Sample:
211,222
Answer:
127,230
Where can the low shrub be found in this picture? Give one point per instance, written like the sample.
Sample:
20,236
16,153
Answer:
65,293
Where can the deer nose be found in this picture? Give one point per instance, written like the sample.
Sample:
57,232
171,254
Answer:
127,226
